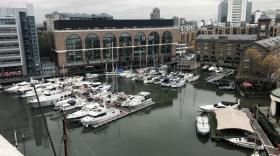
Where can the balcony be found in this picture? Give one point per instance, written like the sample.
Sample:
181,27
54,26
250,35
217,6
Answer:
9,48
10,64
9,41
11,56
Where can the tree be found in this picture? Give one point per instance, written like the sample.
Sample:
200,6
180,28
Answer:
270,64
250,65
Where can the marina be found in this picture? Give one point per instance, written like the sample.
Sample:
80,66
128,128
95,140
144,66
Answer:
172,108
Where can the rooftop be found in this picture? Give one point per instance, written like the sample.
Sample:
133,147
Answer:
276,92
111,24
228,37
85,15
270,43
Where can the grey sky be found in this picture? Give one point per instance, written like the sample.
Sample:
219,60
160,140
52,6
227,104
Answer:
129,9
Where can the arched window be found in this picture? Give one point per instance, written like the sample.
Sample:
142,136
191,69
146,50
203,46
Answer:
140,48
92,44
153,49
125,51
166,47
109,44
74,54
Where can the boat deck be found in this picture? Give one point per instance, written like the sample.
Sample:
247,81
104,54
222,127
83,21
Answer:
270,149
124,112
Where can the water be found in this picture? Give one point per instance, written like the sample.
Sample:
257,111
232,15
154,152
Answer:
168,128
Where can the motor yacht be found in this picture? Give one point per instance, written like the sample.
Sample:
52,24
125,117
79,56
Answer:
148,80
193,78
49,98
16,87
202,124
178,83
205,67
247,142
166,82
222,104
98,116
143,98
83,112
212,68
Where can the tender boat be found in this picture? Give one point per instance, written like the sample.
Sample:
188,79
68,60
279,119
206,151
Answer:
98,116
230,86
223,104
256,153
247,142
202,124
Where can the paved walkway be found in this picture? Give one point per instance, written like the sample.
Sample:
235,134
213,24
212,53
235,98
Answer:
271,150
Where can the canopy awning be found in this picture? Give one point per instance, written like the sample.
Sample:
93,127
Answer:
230,118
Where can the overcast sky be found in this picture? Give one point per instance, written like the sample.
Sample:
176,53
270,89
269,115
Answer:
134,9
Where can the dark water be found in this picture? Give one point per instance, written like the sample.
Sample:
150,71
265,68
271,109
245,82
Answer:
167,129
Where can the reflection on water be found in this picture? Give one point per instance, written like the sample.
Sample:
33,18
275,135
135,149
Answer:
166,128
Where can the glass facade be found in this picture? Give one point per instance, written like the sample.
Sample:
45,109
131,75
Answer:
167,46
74,53
109,40
140,43
153,49
30,42
91,42
125,53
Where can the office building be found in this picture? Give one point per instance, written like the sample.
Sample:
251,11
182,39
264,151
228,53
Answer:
19,52
155,14
80,46
223,11
50,18
249,12
237,11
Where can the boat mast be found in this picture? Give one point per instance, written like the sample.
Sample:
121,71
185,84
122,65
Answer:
113,56
65,136
44,120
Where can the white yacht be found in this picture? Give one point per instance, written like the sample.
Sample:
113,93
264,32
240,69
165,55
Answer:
202,124
193,78
99,116
205,67
148,80
219,69
16,87
212,68
165,82
83,112
247,142
222,104
143,98
91,76
49,98
178,83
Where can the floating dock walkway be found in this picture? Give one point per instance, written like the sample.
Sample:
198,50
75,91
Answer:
270,149
124,112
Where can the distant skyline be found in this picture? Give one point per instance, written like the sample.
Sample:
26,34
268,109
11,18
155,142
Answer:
134,9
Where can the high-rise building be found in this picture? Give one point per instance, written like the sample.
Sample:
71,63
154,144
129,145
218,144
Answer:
50,18
223,11
249,12
19,52
155,14
257,15
176,21
237,11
